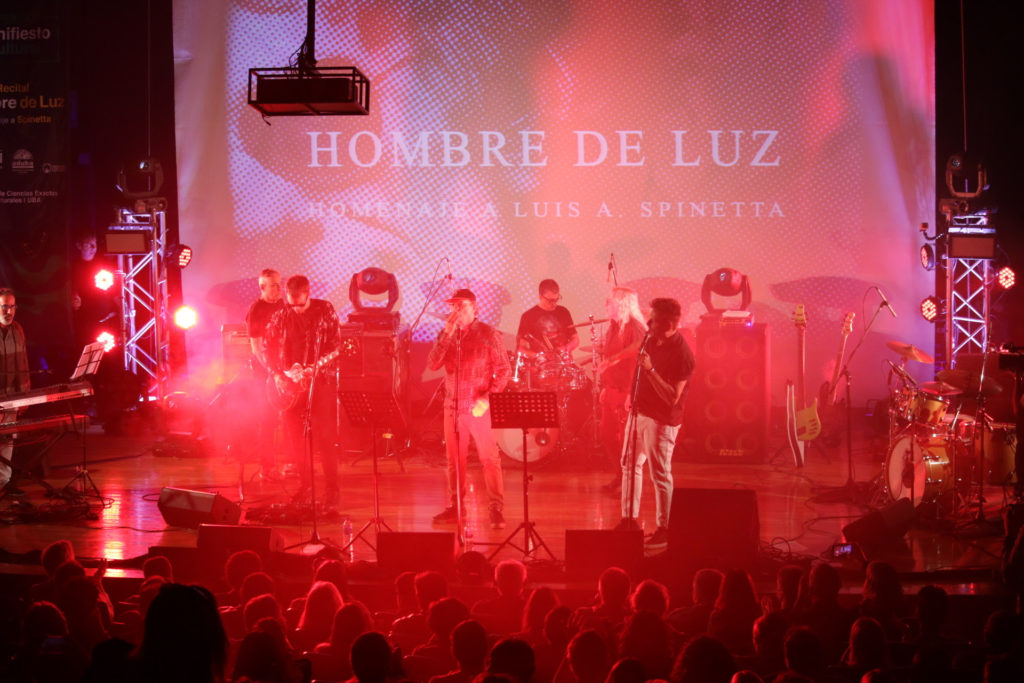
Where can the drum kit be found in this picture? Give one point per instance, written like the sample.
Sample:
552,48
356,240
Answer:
578,394
938,452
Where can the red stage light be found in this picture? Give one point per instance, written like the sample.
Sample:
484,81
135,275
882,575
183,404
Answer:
1006,277
186,317
930,308
109,341
179,255
104,279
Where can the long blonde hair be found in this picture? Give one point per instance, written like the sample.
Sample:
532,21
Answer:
628,305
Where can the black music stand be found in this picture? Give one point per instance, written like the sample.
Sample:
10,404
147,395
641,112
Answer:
524,410
378,411
82,484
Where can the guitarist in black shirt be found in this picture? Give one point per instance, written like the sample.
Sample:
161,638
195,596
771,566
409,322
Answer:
300,341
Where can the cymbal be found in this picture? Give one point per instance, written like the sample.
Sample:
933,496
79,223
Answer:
910,352
595,322
968,381
939,388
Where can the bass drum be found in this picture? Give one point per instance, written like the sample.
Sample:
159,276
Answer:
541,444
919,468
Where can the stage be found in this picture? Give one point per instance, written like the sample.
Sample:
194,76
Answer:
567,493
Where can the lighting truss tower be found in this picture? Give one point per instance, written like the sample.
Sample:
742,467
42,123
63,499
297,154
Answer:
970,248
144,298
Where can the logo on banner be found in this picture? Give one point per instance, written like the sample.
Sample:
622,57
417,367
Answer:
54,168
22,162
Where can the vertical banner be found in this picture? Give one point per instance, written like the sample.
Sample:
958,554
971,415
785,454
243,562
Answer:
34,167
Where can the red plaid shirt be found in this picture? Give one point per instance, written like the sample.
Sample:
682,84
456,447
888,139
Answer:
484,367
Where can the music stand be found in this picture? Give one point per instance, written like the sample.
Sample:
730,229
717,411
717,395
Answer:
524,410
377,410
88,364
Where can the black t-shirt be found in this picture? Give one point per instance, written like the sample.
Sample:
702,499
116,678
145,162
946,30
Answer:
673,361
256,321
536,325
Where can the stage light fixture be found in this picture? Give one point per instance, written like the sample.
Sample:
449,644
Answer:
1006,277
104,279
186,317
373,281
725,282
108,340
931,307
927,257
179,255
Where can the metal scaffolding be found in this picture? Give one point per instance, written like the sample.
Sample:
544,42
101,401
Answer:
970,247
144,298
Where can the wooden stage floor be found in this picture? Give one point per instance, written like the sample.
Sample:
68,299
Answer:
566,493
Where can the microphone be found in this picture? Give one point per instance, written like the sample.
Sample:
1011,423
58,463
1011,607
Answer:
885,302
448,262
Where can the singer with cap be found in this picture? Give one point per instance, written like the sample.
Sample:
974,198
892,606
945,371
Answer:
475,365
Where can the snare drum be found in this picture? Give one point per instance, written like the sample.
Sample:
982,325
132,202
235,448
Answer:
919,468
927,409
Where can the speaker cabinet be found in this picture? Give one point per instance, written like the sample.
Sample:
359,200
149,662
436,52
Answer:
415,551
727,408
185,508
588,552
881,527
714,528
232,537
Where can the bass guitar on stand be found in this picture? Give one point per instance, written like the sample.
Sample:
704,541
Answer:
802,422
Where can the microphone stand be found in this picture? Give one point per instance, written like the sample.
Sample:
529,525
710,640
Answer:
460,534
849,492
630,489
307,439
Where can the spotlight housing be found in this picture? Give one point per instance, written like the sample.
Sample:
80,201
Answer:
931,308
927,257
103,279
1006,277
179,255
186,317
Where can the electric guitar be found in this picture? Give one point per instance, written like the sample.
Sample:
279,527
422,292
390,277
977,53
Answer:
802,423
828,395
300,376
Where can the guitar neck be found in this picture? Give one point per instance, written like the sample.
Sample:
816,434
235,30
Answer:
801,367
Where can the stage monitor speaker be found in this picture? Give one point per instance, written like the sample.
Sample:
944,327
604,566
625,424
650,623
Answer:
714,528
588,552
727,409
232,537
415,551
185,508
881,527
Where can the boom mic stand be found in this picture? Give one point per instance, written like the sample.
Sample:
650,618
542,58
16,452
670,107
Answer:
850,491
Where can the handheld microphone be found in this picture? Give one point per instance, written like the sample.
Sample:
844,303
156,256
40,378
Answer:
885,302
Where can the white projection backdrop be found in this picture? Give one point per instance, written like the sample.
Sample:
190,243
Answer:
792,141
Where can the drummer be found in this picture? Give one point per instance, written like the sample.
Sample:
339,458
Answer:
547,327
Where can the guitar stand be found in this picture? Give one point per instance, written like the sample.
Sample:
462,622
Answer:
378,411
525,410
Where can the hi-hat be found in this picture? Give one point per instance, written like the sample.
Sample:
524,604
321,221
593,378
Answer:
910,352
969,382
591,322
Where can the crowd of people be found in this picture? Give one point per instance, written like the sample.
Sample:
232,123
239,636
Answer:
246,627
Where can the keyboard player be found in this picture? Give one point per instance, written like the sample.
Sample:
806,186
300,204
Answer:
14,376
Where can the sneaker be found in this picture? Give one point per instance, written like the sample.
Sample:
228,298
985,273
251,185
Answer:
448,515
497,519
627,524
658,539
